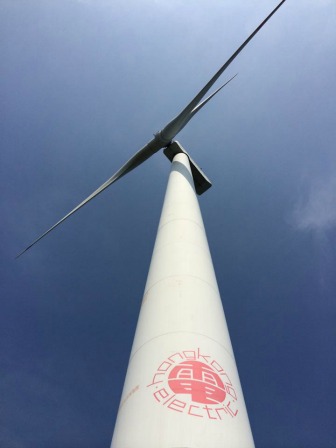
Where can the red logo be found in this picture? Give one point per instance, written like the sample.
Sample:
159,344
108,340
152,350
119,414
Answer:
193,383
198,380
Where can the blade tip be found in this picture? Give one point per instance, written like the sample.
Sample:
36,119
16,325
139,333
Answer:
21,253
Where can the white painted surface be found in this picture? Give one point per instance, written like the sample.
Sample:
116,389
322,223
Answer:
182,321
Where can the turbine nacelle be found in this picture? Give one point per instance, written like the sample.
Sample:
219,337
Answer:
201,182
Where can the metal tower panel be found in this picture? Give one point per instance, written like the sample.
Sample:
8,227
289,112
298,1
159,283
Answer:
182,387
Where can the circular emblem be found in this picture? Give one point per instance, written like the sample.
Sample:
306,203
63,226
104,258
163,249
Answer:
198,380
193,383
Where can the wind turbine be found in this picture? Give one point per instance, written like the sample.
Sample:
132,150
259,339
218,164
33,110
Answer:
182,387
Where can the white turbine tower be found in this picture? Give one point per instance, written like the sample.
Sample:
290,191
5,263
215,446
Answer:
182,388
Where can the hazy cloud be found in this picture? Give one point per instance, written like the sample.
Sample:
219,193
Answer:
318,210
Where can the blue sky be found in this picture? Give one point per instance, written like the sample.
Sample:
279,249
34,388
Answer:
84,84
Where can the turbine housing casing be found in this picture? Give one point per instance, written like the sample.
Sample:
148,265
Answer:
202,183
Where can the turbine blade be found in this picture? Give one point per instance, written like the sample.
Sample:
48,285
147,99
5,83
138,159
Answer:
203,103
178,123
141,156
110,181
164,137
